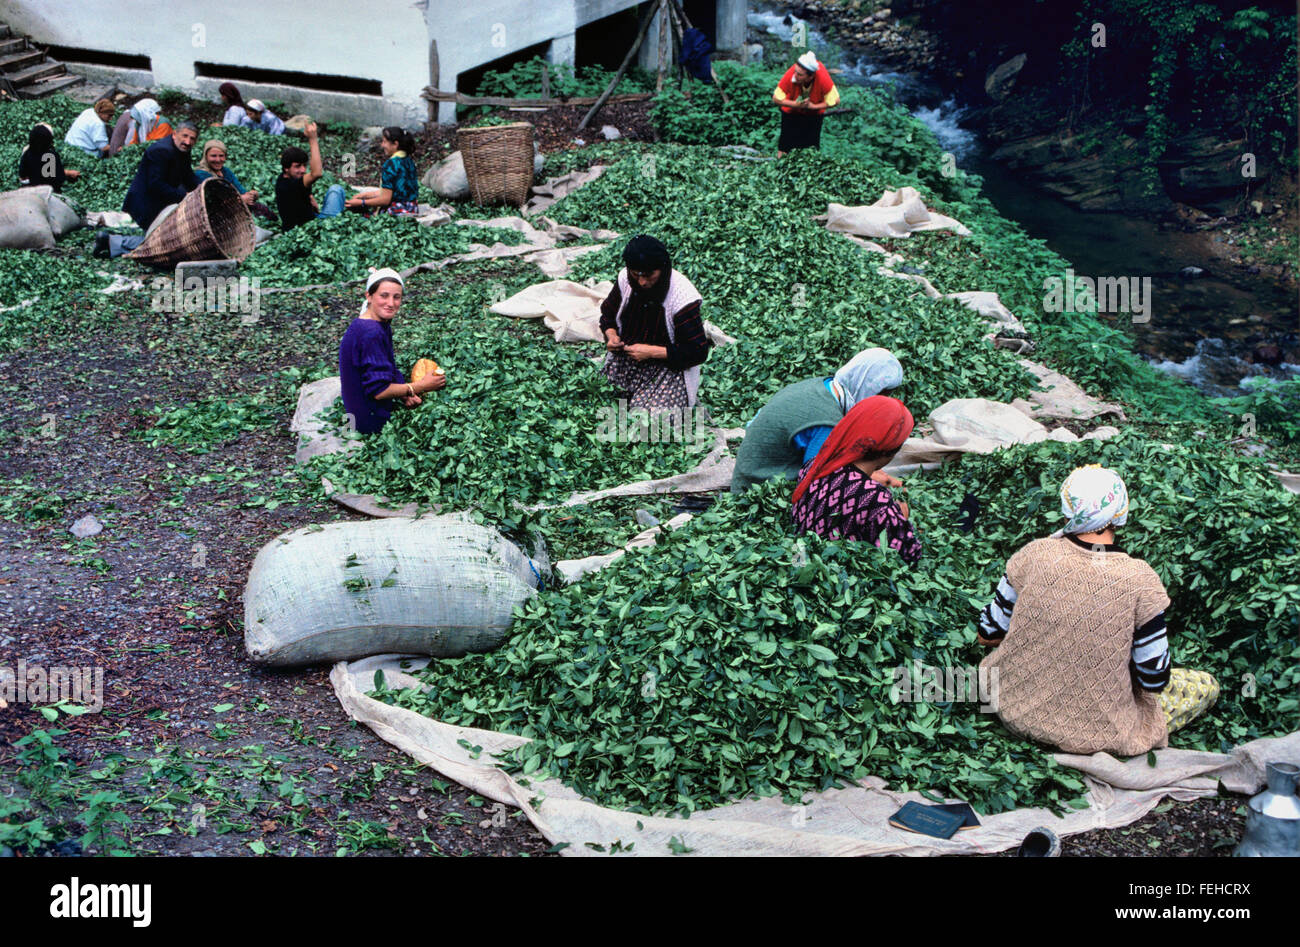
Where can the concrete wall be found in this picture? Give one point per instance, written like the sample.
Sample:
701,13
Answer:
403,42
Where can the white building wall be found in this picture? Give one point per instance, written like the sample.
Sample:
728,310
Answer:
384,40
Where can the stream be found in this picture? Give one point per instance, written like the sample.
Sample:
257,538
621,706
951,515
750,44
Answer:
1210,329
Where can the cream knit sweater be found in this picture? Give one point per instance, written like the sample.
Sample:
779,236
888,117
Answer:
1063,668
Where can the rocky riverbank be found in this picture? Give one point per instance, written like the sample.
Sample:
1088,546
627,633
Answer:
1090,158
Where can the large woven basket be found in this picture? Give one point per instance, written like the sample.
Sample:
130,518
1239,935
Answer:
498,162
212,223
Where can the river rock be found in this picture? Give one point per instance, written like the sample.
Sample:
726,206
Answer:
447,178
1000,81
86,527
1191,272
1206,172
610,133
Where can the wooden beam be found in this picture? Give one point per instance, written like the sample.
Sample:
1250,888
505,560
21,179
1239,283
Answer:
627,61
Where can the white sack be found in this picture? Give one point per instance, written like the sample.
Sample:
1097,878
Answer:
441,586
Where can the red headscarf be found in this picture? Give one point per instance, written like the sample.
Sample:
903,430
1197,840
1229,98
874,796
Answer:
873,425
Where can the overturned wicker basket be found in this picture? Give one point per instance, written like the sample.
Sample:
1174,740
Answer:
212,223
498,162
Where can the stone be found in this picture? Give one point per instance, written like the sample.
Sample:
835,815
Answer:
1000,81
447,178
205,268
1191,272
1257,206
86,527
297,124
610,133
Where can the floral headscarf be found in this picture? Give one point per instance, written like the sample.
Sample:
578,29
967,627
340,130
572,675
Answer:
1093,498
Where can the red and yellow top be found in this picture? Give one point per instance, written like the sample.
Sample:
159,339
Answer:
822,89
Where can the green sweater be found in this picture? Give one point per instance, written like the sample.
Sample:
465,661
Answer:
768,449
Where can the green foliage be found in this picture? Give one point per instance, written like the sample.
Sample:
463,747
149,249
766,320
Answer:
1274,406
1208,67
200,425
524,80
342,248
735,657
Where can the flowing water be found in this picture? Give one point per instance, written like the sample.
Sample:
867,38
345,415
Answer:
1212,330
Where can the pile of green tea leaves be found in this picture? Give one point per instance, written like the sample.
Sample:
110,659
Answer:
520,419
342,248
737,659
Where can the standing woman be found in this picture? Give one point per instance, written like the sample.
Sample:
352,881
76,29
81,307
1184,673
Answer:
368,369
139,124
654,334
399,185
804,93
40,163
837,496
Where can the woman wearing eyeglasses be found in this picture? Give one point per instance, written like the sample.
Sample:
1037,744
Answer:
654,334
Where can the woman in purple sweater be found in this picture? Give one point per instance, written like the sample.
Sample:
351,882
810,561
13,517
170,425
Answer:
367,366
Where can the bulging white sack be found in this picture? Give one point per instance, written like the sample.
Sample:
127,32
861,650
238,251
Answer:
436,585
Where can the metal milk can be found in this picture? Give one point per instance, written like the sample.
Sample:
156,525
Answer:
1273,817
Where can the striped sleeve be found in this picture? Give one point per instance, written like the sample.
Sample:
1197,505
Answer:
996,617
1151,659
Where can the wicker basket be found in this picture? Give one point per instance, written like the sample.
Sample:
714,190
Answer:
498,162
212,223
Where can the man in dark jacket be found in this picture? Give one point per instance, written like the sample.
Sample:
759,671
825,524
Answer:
163,178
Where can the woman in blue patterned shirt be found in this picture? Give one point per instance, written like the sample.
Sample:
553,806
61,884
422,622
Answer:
399,186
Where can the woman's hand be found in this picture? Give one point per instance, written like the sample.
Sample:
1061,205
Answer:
430,383
885,480
411,401
612,342
642,352
72,174
907,513
248,197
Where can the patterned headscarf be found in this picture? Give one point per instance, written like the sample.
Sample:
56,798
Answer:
1092,498
867,373
875,425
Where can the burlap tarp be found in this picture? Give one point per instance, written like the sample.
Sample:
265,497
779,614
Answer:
554,189
898,213
572,310
850,821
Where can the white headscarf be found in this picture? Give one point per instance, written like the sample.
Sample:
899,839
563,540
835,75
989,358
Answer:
374,277
144,115
868,373
1092,498
808,60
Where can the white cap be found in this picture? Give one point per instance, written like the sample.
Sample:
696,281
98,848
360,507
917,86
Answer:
255,105
807,60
